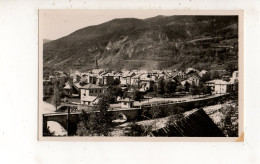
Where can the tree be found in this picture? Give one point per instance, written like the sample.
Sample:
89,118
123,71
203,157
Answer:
116,82
204,90
56,99
214,75
236,86
180,88
82,83
206,77
137,95
114,92
231,67
169,87
61,83
194,90
103,106
96,124
139,130
208,90
155,88
187,86
175,115
230,121
178,112
160,87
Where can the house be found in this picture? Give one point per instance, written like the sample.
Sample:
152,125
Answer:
124,77
191,76
68,89
97,71
154,77
117,76
76,78
92,78
72,89
89,92
174,74
84,78
234,77
167,75
127,103
191,70
92,100
225,76
193,79
108,79
146,83
77,86
128,77
182,75
219,86
135,80
99,80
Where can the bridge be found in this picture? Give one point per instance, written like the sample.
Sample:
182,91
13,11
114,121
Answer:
63,117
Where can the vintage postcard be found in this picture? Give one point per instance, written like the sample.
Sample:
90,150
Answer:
140,75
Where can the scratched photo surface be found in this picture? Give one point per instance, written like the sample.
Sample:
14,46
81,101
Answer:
147,75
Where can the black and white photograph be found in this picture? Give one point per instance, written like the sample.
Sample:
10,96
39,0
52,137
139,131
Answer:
122,74
125,82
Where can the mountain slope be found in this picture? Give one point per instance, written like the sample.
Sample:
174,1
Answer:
160,42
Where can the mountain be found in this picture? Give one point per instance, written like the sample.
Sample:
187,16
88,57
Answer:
162,42
46,41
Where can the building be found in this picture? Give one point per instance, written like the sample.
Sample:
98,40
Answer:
182,75
92,100
191,70
135,80
89,93
219,86
146,85
97,71
117,76
76,78
123,78
234,77
129,77
84,78
127,103
92,79
99,80
193,79
68,89
108,79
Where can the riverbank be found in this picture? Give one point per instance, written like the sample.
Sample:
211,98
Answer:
224,115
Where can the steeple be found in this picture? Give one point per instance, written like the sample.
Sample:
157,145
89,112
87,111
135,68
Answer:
96,64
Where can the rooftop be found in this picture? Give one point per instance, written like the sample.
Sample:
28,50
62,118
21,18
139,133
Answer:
127,100
218,81
90,86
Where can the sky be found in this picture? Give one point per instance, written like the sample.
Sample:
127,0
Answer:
55,24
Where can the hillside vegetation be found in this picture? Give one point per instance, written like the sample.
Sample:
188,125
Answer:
162,42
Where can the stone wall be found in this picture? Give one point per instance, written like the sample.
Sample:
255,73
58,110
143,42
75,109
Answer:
163,110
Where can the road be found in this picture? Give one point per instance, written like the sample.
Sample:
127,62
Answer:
170,100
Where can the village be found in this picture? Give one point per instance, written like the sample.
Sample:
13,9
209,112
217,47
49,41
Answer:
138,95
136,87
